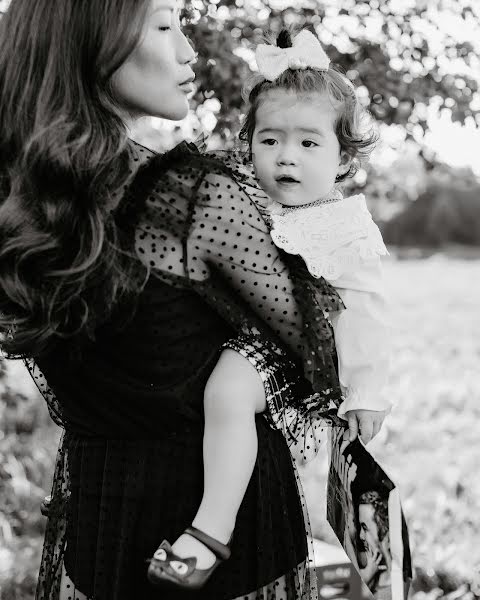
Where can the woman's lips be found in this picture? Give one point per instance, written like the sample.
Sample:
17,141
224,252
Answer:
187,87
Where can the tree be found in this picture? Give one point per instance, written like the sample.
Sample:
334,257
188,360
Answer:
400,56
446,212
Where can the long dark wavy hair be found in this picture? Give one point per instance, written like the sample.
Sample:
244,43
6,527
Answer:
63,164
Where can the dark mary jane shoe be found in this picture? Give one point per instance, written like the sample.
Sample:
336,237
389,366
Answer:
166,569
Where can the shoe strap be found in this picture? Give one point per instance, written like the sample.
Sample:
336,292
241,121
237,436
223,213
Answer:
220,550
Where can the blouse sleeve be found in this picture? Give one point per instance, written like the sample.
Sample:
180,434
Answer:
202,225
362,338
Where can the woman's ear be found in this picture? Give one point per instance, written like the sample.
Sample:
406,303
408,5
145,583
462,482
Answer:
344,163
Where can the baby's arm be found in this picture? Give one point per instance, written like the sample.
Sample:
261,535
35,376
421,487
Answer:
362,339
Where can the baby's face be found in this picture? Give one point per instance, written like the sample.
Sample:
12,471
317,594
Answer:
295,151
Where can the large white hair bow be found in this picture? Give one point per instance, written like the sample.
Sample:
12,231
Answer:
305,52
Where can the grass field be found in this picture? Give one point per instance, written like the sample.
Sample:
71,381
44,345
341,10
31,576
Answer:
429,444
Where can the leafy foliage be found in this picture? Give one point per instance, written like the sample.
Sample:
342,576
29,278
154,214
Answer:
400,55
448,211
28,442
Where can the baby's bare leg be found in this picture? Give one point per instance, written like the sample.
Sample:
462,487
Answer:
233,394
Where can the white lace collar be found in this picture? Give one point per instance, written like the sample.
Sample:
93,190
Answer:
332,238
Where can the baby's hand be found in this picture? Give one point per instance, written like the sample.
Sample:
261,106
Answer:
367,422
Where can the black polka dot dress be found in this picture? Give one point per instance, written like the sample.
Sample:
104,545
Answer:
129,471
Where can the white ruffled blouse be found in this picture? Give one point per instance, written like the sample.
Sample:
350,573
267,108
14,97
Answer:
340,242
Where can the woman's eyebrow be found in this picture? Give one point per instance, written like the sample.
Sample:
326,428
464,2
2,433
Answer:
164,7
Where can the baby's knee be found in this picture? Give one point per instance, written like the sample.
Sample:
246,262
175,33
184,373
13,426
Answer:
234,387
228,399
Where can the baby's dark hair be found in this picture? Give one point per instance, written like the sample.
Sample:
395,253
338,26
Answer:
353,127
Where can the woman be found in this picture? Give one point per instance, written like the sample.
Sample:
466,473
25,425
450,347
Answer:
122,275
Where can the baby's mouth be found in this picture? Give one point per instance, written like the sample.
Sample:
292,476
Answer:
287,180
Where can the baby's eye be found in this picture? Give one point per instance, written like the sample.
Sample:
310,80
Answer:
269,142
309,144
165,28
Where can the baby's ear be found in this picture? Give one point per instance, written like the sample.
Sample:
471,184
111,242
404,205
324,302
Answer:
344,163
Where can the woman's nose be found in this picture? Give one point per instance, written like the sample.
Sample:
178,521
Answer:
186,54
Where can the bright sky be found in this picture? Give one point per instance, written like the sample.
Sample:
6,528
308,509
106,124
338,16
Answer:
456,145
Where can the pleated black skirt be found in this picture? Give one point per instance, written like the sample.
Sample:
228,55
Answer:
126,496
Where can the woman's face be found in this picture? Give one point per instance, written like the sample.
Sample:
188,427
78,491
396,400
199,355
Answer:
156,79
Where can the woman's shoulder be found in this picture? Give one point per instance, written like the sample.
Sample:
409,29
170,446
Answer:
193,158
185,200
177,181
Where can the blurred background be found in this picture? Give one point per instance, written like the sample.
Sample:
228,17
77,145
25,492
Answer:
416,67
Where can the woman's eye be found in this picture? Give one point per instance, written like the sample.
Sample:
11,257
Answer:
309,144
269,142
166,28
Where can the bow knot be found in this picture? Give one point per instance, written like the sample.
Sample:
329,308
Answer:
296,62
305,52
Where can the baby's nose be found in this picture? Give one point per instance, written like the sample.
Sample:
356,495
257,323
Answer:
287,157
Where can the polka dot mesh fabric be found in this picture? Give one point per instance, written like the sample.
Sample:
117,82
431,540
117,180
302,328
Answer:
129,470
205,222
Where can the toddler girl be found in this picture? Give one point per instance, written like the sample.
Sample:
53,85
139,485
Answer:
303,129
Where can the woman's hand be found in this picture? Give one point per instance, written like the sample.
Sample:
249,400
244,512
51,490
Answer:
367,423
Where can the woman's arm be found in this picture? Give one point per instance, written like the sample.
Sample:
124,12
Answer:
201,224
201,228
230,238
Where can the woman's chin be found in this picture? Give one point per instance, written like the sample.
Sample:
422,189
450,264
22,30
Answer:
175,111
176,114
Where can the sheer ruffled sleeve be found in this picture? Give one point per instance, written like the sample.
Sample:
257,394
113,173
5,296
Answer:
202,226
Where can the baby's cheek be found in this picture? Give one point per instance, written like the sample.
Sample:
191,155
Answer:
259,158
257,164
261,173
